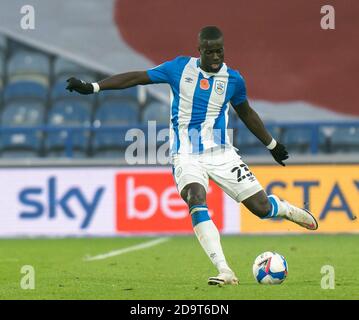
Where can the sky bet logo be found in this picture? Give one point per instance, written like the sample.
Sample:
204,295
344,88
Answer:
32,199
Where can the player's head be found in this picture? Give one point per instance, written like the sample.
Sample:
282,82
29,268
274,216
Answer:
210,47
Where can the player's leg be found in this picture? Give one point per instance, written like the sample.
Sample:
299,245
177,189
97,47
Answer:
194,194
234,177
268,207
192,183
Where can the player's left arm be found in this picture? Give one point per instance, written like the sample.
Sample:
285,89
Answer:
254,123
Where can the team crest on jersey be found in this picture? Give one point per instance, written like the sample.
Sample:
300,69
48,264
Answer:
219,86
204,84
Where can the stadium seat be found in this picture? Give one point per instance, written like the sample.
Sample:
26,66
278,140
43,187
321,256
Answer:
113,114
15,46
345,139
68,114
110,139
2,69
29,66
21,141
64,69
18,115
233,120
118,95
3,44
109,154
247,143
23,113
325,134
157,111
233,124
297,139
25,90
123,112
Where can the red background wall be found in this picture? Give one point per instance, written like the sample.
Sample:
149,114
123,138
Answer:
278,45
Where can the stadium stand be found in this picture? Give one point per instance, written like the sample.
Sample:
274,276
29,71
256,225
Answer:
114,95
22,142
2,60
39,118
156,111
3,49
3,43
118,113
345,139
64,69
159,114
248,144
26,90
298,140
28,66
68,114
123,114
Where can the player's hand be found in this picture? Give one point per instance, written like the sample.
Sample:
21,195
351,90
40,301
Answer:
79,86
279,153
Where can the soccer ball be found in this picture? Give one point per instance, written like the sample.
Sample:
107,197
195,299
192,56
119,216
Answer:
270,268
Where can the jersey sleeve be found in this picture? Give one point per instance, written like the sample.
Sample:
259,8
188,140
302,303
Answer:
163,72
240,91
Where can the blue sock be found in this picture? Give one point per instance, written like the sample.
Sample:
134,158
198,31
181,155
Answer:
274,208
199,213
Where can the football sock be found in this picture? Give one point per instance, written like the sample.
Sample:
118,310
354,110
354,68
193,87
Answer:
208,236
279,208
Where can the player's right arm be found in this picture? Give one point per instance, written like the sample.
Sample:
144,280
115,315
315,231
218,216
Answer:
161,74
254,123
118,81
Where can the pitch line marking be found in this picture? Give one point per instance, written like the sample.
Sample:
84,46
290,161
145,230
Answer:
136,247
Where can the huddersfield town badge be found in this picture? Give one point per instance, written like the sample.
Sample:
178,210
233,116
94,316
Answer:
219,86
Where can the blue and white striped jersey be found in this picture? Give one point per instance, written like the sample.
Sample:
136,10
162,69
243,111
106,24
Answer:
199,103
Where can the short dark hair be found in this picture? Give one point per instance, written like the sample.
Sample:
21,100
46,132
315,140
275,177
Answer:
210,33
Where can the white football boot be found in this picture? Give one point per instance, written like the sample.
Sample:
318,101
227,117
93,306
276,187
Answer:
223,278
301,217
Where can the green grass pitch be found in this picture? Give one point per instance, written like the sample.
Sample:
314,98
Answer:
176,269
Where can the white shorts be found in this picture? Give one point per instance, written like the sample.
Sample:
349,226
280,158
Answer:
224,167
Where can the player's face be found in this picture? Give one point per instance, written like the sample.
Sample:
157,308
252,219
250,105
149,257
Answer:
212,54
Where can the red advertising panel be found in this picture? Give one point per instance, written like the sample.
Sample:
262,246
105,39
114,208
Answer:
148,201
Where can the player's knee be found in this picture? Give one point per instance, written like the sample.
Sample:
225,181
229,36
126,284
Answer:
195,199
194,195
